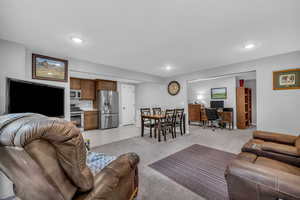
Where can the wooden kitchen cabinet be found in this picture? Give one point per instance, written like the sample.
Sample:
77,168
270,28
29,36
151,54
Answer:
75,83
90,120
106,85
88,91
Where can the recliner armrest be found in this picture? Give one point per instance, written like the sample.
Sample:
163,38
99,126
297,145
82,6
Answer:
245,179
108,179
280,148
275,137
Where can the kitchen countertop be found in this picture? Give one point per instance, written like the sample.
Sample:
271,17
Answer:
89,110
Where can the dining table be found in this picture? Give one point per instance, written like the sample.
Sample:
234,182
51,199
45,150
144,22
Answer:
158,119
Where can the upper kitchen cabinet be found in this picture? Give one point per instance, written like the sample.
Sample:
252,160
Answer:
75,83
106,85
88,91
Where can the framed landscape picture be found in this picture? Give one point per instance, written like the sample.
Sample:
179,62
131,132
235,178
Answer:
48,68
219,93
286,79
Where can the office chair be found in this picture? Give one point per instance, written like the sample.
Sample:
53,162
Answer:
212,116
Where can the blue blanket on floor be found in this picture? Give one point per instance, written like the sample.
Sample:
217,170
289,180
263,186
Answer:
97,161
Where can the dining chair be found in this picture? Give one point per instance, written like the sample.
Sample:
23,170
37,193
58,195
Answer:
178,122
203,117
227,118
168,123
156,111
146,122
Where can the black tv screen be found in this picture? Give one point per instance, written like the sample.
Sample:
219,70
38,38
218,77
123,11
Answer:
23,96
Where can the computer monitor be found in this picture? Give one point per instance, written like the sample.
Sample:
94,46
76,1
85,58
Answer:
217,104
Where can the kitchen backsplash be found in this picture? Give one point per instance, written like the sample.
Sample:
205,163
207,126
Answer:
85,104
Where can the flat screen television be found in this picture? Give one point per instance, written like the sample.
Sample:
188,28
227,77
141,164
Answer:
24,96
217,104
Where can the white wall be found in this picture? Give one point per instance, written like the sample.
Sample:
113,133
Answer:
149,95
15,62
12,64
276,110
203,88
87,69
252,84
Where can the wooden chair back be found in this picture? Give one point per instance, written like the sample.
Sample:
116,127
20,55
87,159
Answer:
226,117
179,114
156,111
203,116
145,111
170,115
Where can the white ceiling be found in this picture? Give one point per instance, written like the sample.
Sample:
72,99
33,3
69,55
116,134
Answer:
146,35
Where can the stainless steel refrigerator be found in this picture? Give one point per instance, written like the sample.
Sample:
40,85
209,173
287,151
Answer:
108,106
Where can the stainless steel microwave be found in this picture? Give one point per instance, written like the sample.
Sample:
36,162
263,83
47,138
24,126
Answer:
75,94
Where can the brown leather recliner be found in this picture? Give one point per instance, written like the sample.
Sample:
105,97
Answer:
252,177
281,147
45,158
261,174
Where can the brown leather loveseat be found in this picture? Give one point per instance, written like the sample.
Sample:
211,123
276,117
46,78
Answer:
45,158
267,169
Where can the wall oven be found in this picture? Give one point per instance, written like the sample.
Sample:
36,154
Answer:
78,119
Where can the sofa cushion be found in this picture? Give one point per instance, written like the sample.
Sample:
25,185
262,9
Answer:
274,164
21,129
256,141
7,187
275,137
44,154
250,157
280,148
284,153
297,144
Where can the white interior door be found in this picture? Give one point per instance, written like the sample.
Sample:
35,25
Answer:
128,104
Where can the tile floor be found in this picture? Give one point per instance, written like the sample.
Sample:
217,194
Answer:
101,137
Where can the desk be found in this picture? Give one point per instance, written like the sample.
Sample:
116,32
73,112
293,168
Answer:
225,116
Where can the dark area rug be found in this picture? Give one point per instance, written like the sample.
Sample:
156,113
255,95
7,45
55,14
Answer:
198,168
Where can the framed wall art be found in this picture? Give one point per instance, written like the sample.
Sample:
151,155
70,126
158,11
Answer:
286,79
48,68
219,93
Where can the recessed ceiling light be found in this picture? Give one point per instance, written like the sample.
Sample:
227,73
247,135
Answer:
168,67
77,40
249,46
